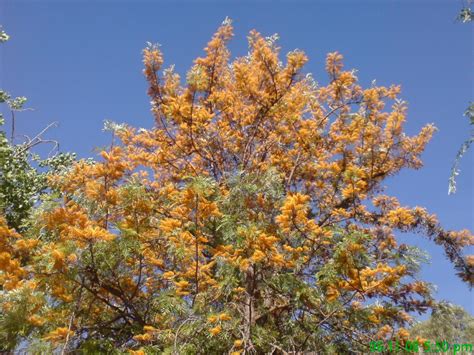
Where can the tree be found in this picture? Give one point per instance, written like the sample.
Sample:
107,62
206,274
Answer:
447,322
23,174
23,186
249,219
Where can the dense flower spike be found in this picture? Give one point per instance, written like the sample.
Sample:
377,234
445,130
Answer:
249,219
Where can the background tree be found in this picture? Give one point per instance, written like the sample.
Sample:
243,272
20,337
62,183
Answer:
250,219
23,174
447,322
23,186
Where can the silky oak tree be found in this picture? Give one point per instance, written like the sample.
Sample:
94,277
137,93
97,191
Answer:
250,218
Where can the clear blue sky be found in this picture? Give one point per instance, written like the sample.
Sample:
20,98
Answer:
79,62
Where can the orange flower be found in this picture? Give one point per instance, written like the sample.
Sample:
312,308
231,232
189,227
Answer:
216,330
224,316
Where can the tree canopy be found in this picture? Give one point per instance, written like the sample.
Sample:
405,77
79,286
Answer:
250,218
447,321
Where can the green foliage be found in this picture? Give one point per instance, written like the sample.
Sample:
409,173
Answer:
243,189
15,103
94,346
23,179
13,324
23,174
447,322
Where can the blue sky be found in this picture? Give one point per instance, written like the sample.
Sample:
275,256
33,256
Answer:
79,62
